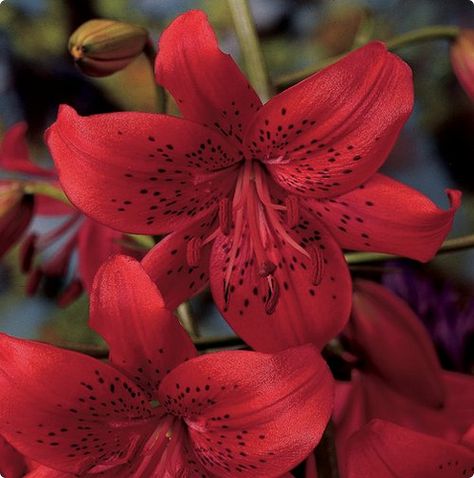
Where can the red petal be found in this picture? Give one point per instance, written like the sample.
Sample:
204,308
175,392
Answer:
251,414
96,243
332,131
12,463
155,168
304,312
167,264
381,326
146,340
14,155
45,472
58,405
385,450
206,83
384,215
369,397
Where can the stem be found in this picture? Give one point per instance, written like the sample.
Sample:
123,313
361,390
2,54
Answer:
365,30
456,244
326,457
434,32
45,189
143,242
250,46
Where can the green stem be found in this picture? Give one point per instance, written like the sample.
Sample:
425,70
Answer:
46,189
451,245
250,46
435,32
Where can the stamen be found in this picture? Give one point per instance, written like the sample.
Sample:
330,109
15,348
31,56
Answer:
292,211
33,282
160,438
236,238
193,251
273,295
318,265
282,159
58,265
72,292
47,239
262,191
225,216
27,252
256,228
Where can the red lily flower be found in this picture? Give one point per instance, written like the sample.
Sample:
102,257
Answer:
158,410
260,199
79,232
385,450
400,380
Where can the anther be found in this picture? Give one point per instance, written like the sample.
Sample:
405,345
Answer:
292,211
225,216
27,252
273,295
193,251
266,269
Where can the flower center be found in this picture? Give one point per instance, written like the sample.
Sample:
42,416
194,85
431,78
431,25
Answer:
252,212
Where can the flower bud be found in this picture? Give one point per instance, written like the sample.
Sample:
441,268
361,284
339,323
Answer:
16,212
462,60
103,47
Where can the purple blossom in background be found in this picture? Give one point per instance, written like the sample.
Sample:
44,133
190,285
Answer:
447,313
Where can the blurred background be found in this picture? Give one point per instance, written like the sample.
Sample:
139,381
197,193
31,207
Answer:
435,149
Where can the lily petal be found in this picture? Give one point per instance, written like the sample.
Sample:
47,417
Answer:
207,84
106,242
155,168
385,450
313,300
381,326
58,405
146,340
332,131
12,463
367,396
251,424
384,215
167,263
